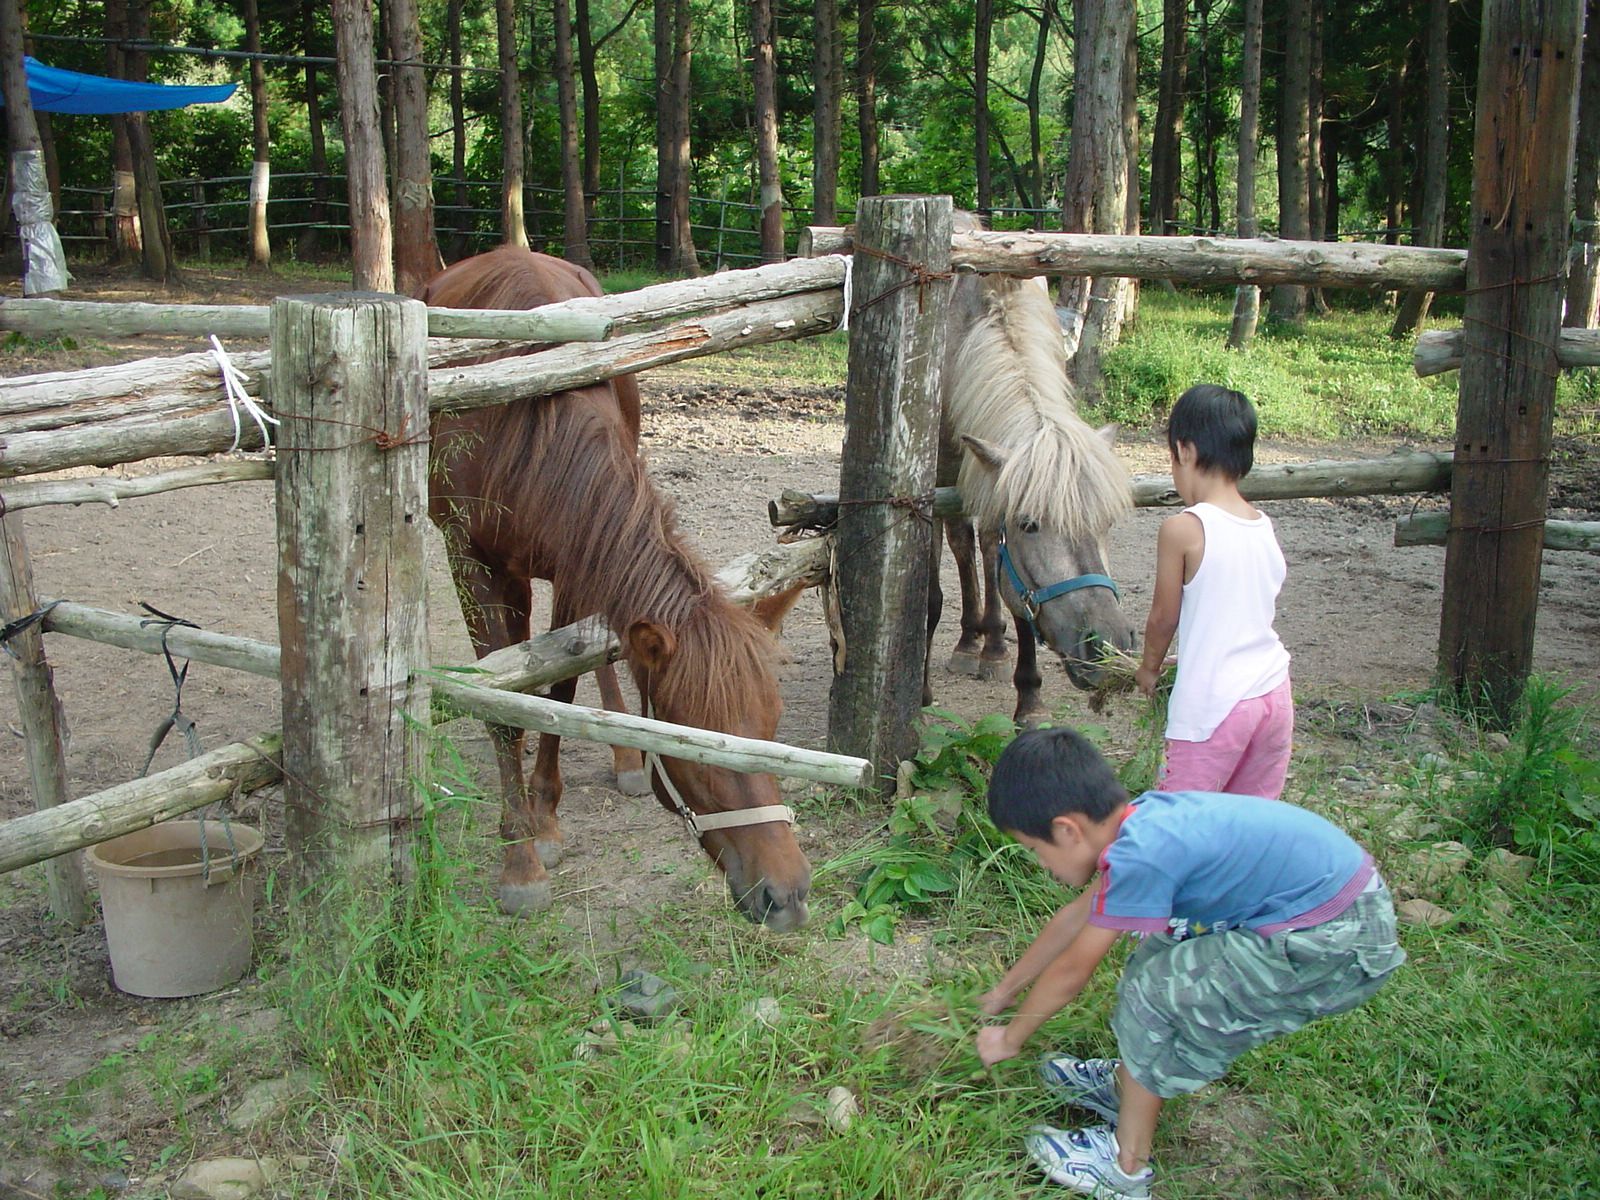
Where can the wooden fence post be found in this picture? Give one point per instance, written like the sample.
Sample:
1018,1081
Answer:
1516,260
40,717
349,383
202,224
900,294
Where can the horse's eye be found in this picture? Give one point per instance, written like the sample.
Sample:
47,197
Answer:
1028,525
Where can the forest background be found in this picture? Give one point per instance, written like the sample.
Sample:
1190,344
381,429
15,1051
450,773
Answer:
950,96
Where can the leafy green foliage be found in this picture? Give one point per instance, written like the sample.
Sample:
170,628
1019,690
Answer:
1540,796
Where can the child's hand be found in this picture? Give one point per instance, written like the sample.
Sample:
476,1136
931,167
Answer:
1147,678
994,1002
992,1045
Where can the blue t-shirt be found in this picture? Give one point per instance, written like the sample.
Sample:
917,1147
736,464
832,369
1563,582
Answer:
1202,862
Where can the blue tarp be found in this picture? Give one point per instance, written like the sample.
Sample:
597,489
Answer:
55,90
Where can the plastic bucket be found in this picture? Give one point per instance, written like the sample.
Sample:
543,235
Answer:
178,916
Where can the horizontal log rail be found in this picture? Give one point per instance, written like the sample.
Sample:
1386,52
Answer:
1398,475
109,416
1204,260
140,803
1433,528
15,497
1439,350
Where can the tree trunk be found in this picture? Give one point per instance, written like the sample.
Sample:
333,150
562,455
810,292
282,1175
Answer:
1046,16
1394,161
574,225
306,248
125,239
1331,125
44,262
764,52
587,73
1097,177
1166,142
260,256
1316,215
416,247
1289,299
665,110
371,246
1413,309
867,93
982,33
513,225
1583,281
1247,298
826,82
458,138
156,256
683,259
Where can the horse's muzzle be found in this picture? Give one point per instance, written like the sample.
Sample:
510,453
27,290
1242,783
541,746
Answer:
779,909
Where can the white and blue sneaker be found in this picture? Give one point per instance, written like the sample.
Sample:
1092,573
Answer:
1088,1083
1085,1160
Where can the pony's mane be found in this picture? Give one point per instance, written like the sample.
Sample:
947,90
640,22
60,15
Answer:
621,553
1009,386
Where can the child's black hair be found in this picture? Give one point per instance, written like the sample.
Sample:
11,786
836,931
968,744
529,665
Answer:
1220,424
1050,773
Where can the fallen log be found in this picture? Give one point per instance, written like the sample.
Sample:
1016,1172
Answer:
1205,260
140,803
175,406
1439,350
1397,475
1433,529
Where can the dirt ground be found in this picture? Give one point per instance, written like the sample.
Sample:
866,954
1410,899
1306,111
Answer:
1359,616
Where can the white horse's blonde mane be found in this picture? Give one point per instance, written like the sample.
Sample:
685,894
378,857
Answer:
1009,387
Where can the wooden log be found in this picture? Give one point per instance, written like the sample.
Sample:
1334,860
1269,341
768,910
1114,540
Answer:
642,733
1439,350
1397,475
112,492
175,406
886,475
136,633
1192,259
1528,62
352,612
590,319
1433,529
39,715
140,803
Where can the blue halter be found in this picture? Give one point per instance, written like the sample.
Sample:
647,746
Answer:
1033,599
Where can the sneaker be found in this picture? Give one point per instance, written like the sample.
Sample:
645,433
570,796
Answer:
1085,1160
1089,1083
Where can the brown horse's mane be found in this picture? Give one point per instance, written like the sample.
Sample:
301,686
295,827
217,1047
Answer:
565,478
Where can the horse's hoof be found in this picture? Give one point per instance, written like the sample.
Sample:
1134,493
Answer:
634,783
992,669
524,899
550,851
964,662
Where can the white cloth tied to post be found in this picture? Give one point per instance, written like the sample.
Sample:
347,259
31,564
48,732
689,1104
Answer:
44,262
233,381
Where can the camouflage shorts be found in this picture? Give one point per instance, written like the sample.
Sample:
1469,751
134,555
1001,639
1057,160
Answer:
1187,1009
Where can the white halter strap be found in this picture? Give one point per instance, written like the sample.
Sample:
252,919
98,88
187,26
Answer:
700,824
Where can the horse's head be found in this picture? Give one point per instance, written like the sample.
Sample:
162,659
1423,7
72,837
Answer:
768,875
1059,581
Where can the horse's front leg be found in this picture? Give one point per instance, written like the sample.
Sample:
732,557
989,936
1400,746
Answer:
935,610
544,787
1031,711
993,621
981,648
627,764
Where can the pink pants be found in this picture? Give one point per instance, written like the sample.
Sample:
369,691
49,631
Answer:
1247,755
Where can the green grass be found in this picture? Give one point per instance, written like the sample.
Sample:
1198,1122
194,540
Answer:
1339,376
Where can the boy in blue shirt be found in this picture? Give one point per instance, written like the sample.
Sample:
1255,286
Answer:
1257,917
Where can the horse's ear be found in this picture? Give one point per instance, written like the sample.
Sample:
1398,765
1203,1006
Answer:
1108,433
650,645
989,454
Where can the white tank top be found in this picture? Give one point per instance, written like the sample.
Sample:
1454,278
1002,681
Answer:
1227,648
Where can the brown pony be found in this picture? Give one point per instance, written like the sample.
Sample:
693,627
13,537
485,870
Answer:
553,488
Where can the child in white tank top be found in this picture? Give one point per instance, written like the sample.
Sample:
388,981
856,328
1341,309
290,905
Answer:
1230,721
